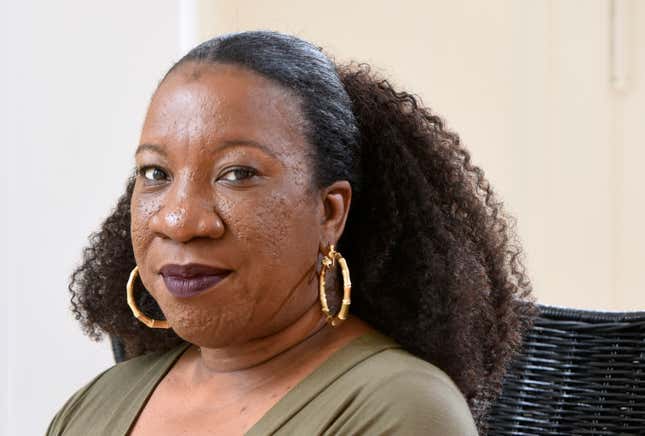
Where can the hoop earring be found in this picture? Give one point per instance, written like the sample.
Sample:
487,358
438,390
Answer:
327,263
152,323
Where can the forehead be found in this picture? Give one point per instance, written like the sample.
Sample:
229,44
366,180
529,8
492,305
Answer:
207,103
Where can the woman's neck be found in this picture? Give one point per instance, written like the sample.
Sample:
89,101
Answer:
237,357
244,367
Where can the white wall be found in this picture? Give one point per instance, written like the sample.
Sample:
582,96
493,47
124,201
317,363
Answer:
5,149
5,139
76,80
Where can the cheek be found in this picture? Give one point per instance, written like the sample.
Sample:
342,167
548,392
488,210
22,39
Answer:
276,227
141,211
279,238
282,221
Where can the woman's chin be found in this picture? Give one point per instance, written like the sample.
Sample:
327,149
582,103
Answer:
206,339
207,331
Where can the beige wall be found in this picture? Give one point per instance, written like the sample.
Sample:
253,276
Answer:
528,87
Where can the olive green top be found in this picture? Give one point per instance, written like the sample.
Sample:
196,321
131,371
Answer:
370,386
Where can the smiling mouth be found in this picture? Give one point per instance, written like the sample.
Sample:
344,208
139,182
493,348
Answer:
191,279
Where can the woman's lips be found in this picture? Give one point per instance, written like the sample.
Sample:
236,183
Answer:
189,286
191,279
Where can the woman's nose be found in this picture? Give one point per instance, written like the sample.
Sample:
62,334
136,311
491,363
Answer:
185,215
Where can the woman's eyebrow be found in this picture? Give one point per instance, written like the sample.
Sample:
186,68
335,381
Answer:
151,147
225,144
247,142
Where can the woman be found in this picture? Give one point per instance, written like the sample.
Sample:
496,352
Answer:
237,240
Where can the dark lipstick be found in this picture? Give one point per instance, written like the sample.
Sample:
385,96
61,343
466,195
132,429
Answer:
191,279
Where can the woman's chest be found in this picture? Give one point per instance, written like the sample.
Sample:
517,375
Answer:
165,419
179,415
169,411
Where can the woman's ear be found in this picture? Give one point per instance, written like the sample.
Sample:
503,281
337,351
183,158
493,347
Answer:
336,199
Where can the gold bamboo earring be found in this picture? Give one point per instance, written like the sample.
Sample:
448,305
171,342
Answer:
152,323
327,263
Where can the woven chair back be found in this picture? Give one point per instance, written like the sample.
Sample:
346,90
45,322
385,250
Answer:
579,373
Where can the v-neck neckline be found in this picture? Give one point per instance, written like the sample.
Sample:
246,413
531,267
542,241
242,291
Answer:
341,360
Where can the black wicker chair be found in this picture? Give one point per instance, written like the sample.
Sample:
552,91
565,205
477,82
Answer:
580,373
118,349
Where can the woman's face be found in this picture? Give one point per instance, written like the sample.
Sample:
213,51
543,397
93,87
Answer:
224,180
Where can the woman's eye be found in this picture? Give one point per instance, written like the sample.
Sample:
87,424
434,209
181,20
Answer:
236,174
152,173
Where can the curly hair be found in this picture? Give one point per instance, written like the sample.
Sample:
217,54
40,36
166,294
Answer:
435,260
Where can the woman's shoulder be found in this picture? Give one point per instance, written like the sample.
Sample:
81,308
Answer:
117,388
395,392
391,363
372,386
416,392
142,367
125,375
